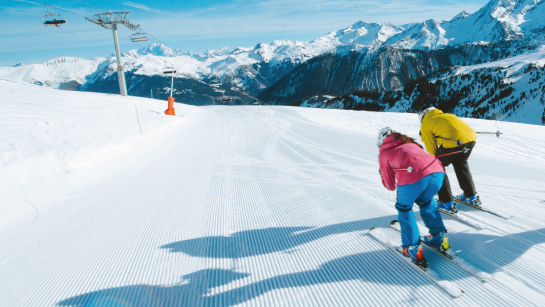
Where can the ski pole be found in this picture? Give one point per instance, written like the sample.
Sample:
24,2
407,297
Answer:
497,133
458,143
408,169
465,150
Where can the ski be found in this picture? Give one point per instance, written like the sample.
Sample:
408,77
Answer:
480,207
444,285
451,257
462,218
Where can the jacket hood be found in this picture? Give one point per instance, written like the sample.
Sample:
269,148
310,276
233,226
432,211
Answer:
432,113
390,142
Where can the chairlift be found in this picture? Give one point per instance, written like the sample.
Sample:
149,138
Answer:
53,19
169,70
224,98
215,82
138,37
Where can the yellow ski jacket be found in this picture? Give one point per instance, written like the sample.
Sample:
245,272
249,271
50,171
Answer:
443,129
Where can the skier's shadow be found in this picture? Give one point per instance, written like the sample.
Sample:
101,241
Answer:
192,292
268,240
370,266
378,267
496,251
384,267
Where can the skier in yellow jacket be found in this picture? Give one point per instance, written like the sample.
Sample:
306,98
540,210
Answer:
451,140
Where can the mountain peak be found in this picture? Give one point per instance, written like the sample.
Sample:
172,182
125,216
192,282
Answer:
360,24
462,14
158,50
431,23
63,59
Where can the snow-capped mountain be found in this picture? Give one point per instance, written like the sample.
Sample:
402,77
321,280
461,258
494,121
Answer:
247,72
511,89
497,21
385,69
53,73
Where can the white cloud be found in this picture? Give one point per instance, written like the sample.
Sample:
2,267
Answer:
141,6
242,18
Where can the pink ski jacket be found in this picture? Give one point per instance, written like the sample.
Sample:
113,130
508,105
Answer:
395,155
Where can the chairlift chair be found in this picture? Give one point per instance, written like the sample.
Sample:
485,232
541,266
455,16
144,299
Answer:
53,19
224,98
215,82
169,70
138,37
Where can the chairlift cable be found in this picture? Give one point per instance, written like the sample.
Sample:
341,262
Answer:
56,7
93,6
105,10
71,11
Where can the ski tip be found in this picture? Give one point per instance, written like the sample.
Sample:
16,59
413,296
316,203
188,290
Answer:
394,222
450,288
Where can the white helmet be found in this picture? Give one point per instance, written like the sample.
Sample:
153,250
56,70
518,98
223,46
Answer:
383,134
423,112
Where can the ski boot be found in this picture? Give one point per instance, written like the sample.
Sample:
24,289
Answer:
416,253
448,206
438,241
472,200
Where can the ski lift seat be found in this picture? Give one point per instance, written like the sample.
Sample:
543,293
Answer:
52,19
215,82
138,37
55,22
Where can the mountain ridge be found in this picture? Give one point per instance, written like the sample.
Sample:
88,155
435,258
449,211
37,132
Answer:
248,72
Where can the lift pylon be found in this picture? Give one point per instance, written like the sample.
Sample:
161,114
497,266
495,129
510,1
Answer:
110,21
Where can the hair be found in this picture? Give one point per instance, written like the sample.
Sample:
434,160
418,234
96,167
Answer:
405,139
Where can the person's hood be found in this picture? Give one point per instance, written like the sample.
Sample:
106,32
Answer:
390,142
432,113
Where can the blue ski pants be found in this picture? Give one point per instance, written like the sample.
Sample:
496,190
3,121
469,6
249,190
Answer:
421,193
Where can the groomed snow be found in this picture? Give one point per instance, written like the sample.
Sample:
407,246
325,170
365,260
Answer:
52,141
249,205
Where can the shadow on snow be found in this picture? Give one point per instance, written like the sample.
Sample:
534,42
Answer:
268,240
375,266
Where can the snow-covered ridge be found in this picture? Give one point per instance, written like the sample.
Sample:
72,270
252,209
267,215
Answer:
497,21
61,60
62,135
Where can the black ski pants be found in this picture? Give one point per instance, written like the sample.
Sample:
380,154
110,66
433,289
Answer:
461,168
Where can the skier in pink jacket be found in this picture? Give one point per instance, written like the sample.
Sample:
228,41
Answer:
419,177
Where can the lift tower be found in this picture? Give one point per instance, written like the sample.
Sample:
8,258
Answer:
109,21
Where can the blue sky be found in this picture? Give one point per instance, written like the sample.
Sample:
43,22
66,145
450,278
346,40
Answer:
192,25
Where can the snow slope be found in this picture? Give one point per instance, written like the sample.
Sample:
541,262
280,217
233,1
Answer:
250,205
53,141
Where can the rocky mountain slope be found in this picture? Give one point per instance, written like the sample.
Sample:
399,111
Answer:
512,89
385,69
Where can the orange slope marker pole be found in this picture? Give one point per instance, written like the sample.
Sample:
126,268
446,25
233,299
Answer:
170,110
